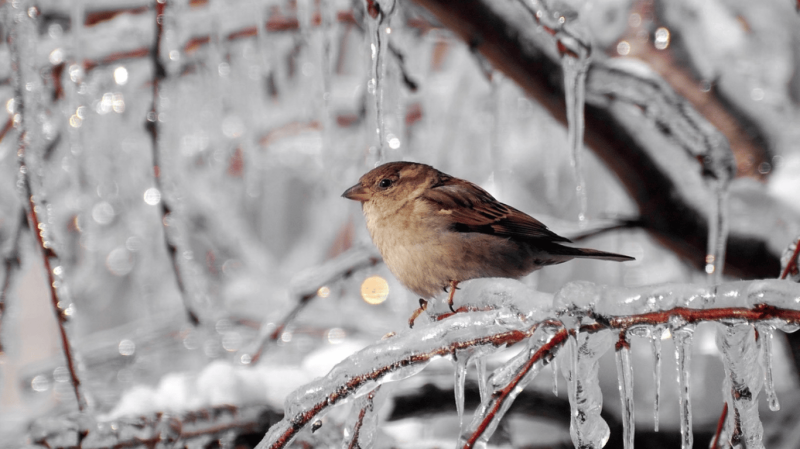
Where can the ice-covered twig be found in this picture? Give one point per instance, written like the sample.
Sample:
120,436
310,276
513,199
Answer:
22,38
305,285
153,127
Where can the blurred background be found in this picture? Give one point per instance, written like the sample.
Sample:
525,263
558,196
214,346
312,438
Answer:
186,161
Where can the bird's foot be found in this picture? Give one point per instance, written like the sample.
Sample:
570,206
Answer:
423,305
453,287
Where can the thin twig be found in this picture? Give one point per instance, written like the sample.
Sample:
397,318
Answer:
152,125
720,426
791,266
16,39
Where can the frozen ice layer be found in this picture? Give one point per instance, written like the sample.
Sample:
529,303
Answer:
587,428
505,292
774,292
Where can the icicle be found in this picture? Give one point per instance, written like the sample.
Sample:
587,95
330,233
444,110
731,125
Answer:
717,234
765,333
742,383
380,15
656,345
554,364
480,366
574,86
587,428
508,374
460,378
625,379
362,423
683,354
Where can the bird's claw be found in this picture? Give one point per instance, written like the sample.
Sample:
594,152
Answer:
423,305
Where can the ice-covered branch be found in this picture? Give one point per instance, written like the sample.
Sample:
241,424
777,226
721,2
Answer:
648,154
587,311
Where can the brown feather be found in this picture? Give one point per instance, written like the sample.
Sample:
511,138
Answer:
473,209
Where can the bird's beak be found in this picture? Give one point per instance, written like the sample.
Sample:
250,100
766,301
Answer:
356,193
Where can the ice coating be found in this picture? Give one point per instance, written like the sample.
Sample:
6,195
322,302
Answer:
774,292
507,381
765,335
504,292
743,379
587,428
394,359
625,379
683,356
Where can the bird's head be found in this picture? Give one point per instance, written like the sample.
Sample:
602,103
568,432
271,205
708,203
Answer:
393,183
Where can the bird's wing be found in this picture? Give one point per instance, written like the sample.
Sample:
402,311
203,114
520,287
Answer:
473,209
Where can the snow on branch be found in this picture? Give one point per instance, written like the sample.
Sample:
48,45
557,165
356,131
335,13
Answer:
582,314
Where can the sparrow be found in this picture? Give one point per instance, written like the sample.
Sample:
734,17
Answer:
435,230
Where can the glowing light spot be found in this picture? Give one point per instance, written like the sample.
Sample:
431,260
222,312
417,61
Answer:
336,335
121,75
388,30
323,292
666,334
127,347
75,121
105,104
119,261
118,103
61,374
662,38
393,141
224,69
103,213
81,112
286,337
374,290
40,383
10,106
623,48
174,55
710,268
152,196
56,56
246,359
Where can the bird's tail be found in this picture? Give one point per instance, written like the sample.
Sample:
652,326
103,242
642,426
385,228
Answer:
593,254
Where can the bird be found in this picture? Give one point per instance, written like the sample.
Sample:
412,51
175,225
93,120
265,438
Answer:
434,230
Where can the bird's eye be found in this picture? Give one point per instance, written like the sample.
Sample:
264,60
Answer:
385,183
